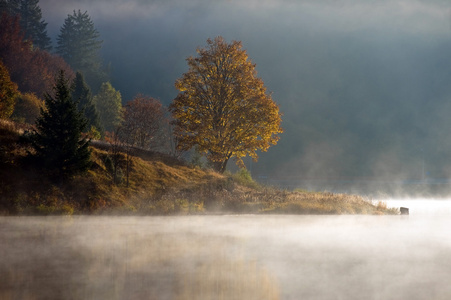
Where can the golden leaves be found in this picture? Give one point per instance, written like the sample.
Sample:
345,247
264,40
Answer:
222,106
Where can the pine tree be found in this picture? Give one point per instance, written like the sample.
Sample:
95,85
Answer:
33,25
78,43
57,141
31,21
11,7
81,93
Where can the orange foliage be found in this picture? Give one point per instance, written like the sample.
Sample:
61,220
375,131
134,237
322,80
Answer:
223,107
33,70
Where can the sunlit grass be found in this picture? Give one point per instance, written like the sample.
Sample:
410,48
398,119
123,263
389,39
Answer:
157,185
326,203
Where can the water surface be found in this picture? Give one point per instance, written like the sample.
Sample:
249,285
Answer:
230,257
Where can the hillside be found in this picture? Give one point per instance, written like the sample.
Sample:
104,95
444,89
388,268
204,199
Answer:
158,185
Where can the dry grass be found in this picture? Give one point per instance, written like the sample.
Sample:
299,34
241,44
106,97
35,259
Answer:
326,203
158,185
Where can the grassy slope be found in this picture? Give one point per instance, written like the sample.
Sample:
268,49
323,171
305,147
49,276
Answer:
158,185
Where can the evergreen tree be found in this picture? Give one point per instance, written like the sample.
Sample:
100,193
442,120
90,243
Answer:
58,142
31,20
11,7
78,43
81,93
33,25
108,103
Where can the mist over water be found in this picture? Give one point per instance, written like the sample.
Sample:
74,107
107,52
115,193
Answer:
238,257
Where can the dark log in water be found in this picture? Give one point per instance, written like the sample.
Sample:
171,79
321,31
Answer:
404,210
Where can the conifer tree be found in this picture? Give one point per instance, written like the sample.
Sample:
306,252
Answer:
31,21
79,44
34,26
57,141
81,93
10,7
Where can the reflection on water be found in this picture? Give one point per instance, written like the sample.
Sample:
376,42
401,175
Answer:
230,257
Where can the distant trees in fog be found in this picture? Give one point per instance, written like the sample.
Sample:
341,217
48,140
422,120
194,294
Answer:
79,44
81,93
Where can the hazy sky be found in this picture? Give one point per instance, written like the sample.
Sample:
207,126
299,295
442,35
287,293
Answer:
426,16
363,84
268,28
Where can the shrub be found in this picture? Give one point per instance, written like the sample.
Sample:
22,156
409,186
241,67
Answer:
27,108
244,177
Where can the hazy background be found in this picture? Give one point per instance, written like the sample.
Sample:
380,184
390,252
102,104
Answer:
364,85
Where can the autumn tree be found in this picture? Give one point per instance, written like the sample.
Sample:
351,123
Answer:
143,121
48,66
57,141
143,126
32,69
8,93
14,51
108,103
81,93
223,107
79,44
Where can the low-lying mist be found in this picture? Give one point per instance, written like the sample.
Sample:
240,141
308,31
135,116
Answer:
230,257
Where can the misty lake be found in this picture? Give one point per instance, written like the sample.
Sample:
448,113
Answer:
230,257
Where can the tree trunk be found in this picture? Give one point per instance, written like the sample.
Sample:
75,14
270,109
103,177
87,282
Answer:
220,166
224,166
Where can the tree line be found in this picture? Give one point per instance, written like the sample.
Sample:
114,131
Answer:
222,110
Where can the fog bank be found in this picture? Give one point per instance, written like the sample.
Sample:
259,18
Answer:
242,257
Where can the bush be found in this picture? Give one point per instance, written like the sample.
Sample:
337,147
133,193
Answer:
244,177
27,108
